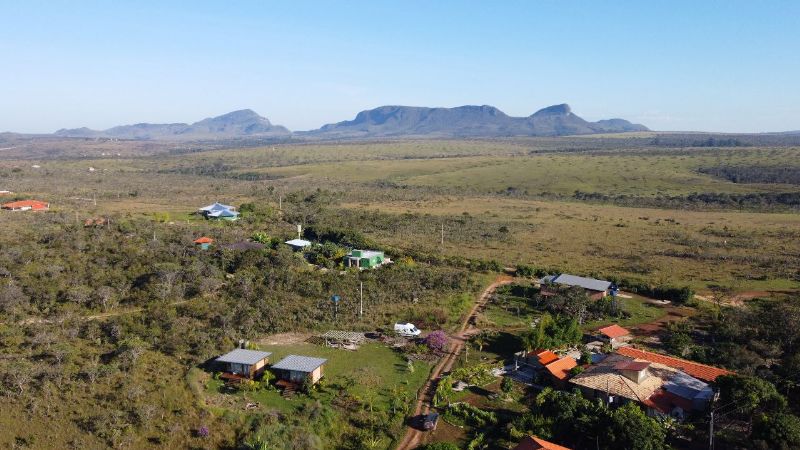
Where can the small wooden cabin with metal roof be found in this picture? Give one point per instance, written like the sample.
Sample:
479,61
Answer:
243,363
296,369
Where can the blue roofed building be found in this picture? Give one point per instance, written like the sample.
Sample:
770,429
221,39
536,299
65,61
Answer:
218,211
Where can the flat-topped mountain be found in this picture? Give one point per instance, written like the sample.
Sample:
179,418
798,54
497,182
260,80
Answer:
468,121
384,121
240,123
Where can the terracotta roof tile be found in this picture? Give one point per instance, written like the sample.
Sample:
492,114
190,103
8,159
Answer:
614,331
560,369
546,357
697,370
537,443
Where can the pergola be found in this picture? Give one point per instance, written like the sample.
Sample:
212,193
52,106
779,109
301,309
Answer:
343,339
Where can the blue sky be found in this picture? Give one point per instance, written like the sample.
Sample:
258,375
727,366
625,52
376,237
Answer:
672,65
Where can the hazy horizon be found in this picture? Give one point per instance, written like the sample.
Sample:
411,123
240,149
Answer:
724,67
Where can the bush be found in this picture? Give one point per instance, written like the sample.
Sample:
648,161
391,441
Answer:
464,414
437,341
507,385
524,270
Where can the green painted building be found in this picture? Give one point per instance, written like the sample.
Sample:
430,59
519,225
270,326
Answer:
365,259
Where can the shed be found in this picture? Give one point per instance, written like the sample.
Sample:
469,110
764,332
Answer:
365,259
244,363
204,242
296,369
614,335
298,244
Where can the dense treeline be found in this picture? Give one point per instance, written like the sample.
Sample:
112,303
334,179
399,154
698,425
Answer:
725,140
755,174
706,200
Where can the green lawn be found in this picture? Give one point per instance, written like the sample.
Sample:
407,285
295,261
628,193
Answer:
640,310
376,370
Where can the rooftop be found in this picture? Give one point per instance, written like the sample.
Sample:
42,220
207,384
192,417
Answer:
299,363
216,206
537,443
366,253
243,356
614,331
632,365
697,370
203,240
560,368
652,391
605,377
546,357
298,243
24,204
586,283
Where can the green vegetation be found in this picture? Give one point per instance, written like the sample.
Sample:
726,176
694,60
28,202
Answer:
106,331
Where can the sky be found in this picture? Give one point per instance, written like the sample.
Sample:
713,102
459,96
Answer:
731,66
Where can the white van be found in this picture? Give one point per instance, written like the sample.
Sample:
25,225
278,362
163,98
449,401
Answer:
406,329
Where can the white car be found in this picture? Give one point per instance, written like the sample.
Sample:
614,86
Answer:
406,329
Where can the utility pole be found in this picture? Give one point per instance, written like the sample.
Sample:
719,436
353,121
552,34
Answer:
94,198
361,304
711,432
442,241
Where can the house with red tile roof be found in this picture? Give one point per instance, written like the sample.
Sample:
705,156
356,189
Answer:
26,205
614,335
559,370
697,370
537,443
659,389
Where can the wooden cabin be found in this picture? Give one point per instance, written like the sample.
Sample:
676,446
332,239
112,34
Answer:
243,364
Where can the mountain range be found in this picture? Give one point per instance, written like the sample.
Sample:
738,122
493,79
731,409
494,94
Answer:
234,124
384,121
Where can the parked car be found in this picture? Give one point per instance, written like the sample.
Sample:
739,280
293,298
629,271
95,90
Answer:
406,329
429,421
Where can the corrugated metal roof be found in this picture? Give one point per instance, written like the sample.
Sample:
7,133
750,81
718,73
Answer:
221,213
299,363
298,243
216,206
243,356
586,283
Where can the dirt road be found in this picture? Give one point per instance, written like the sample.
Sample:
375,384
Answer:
413,436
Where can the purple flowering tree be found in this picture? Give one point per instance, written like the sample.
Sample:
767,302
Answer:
437,341
203,431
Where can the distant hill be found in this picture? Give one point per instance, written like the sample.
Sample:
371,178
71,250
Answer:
467,121
385,121
240,123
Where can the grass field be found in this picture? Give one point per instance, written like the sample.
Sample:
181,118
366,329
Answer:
424,184
374,374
